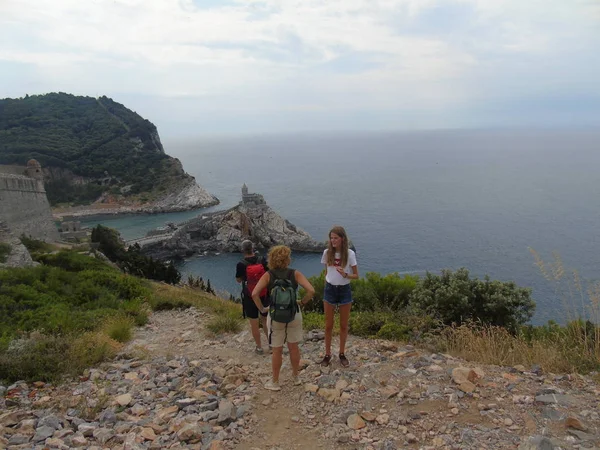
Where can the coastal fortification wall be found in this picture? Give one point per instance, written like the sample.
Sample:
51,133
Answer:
24,206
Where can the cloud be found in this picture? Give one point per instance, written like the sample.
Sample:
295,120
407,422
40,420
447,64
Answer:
439,60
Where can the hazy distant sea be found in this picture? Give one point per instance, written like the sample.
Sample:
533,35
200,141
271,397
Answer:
414,202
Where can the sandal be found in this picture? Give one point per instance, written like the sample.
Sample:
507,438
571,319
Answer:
326,361
344,361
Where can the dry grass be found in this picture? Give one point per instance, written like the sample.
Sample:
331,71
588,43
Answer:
38,356
495,345
90,349
581,303
227,315
172,297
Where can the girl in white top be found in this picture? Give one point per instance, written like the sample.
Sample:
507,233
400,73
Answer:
341,266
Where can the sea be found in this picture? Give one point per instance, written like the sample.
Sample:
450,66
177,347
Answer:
412,202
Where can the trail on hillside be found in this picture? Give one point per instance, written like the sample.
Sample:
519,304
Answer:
403,397
177,386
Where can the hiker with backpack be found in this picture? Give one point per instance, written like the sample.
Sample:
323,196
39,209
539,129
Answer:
248,272
285,317
341,267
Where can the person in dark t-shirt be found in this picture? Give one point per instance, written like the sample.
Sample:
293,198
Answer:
248,271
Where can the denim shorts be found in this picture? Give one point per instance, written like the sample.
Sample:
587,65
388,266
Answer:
337,295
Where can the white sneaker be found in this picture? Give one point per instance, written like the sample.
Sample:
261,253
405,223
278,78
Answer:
259,351
272,386
297,381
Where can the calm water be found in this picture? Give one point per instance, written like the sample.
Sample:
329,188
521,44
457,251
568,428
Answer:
414,202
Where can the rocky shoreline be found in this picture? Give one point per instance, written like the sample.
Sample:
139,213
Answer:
189,197
178,386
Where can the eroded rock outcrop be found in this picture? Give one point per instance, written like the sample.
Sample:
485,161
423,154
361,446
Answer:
15,254
224,231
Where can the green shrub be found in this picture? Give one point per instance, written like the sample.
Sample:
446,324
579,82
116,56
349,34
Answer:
39,357
318,282
165,304
454,298
119,328
368,324
392,290
73,261
5,250
394,331
374,292
227,323
364,295
61,301
131,260
313,321
138,309
35,245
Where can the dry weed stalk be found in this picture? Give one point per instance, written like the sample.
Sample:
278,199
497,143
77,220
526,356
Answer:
581,304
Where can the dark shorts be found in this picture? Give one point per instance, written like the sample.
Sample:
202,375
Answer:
337,295
250,309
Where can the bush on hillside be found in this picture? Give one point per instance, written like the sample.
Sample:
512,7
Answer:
131,260
391,291
72,261
373,293
46,357
455,298
35,246
59,300
65,315
5,250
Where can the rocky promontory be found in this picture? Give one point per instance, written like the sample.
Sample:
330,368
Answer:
185,196
223,231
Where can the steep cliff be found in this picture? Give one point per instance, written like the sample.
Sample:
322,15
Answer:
96,153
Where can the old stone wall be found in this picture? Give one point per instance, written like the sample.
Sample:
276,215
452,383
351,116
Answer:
24,207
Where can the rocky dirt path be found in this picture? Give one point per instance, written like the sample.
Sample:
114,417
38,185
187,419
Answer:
176,386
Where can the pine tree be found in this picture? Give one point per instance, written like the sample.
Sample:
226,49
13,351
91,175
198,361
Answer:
209,288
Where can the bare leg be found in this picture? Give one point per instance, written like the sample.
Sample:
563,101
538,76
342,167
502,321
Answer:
344,318
255,332
276,361
263,321
329,316
294,357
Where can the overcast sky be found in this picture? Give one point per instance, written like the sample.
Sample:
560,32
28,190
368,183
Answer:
235,66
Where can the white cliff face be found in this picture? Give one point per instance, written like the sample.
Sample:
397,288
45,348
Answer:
189,197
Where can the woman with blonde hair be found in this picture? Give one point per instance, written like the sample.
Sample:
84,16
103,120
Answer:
341,267
278,261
